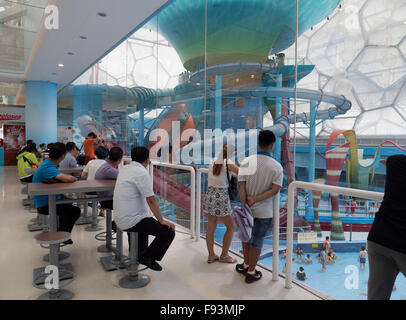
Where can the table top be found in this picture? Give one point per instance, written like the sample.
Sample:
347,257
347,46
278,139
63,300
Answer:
62,170
39,189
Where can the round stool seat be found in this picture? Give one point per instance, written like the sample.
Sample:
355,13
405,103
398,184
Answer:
52,237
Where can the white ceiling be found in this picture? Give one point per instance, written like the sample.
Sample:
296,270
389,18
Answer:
80,18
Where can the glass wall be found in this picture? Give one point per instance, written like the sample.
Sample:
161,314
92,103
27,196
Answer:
207,72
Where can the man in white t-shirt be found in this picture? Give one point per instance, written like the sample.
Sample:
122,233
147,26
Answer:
260,177
89,171
132,193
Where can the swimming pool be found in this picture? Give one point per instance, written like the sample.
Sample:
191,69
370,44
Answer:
333,280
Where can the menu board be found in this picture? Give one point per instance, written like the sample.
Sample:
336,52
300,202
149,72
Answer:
14,141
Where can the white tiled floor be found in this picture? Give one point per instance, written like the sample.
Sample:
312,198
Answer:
186,274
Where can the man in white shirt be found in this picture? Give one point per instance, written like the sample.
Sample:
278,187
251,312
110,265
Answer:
257,188
89,171
132,193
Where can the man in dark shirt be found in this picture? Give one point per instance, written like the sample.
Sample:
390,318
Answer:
109,170
387,238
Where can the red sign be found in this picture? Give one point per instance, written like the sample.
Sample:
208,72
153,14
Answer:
8,117
12,114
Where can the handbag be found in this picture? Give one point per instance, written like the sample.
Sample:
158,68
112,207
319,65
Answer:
232,185
81,159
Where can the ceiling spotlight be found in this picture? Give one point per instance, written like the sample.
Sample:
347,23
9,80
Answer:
54,73
102,14
70,53
61,65
83,37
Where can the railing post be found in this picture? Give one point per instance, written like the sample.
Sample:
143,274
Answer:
289,235
192,188
198,201
275,231
192,202
351,232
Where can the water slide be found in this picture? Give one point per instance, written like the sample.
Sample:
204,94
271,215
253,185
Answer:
171,190
140,97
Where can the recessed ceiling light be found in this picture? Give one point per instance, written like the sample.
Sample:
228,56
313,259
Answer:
70,53
102,14
61,65
54,73
83,37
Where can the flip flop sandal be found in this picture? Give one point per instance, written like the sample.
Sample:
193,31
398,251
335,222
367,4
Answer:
227,259
212,259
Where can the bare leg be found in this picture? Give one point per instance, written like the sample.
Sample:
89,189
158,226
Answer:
228,236
211,228
253,258
246,252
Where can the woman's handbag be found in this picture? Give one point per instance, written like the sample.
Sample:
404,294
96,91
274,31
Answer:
232,185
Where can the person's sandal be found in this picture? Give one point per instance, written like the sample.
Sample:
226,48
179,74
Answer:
240,268
250,278
212,259
227,259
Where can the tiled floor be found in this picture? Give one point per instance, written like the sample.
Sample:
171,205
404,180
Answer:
186,274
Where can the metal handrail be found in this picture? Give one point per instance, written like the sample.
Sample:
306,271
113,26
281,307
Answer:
318,187
199,199
192,188
275,231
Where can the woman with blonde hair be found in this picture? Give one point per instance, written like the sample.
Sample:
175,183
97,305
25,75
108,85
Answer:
217,203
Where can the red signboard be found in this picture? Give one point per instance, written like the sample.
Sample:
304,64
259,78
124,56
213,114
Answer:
14,140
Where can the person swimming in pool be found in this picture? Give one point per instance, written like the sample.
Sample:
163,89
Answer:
308,259
332,256
299,253
362,258
283,254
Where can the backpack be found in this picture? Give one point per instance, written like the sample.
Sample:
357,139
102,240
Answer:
81,157
232,185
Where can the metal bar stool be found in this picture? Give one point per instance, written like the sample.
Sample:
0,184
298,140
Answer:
134,279
41,223
118,260
106,235
54,239
94,226
83,219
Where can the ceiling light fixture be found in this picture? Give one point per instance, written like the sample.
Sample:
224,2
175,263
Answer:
70,53
83,37
102,14
61,65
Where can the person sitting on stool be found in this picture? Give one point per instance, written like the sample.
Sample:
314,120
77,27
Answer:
67,213
132,193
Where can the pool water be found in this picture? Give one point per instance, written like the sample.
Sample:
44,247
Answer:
333,280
